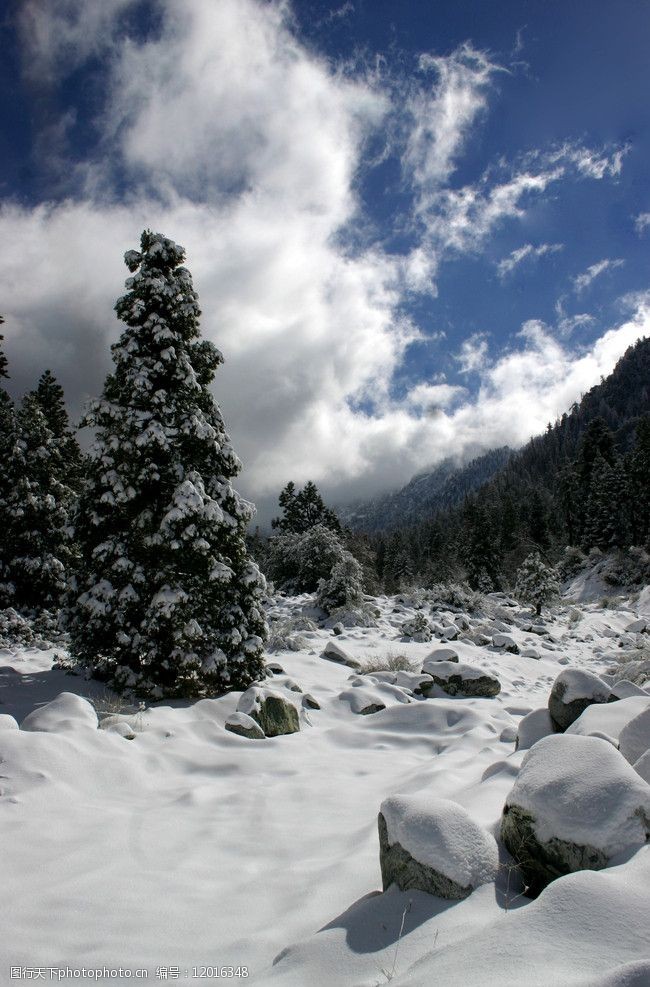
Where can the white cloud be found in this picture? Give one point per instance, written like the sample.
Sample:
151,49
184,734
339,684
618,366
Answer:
582,281
442,116
527,252
642,222
473,353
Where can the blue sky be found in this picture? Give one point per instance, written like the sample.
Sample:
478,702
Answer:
417,229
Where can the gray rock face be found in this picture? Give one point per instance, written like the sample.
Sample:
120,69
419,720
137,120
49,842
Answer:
400,868
460,680
542,863
573,690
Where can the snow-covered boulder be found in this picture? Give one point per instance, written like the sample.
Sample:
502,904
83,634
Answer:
532,727
7,722
274,668
638,626
530,653
573,690
411,680
457,679
608,720
66,712
505,643
634,738
244,726
308,701
274,713
576,803
433,845
118,725
334,652
439,654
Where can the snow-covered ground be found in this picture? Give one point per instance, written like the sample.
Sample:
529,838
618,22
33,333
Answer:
190,849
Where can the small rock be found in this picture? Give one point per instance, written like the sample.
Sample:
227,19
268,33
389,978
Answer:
530,653
244,726
274,668
309,702
337,629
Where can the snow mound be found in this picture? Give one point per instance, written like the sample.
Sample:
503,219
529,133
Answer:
581,790
532,727
7,722
66,712
370,698
607,720
441,834
634,739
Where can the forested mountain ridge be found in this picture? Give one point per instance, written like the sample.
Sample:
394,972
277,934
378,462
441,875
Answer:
584,483
440,487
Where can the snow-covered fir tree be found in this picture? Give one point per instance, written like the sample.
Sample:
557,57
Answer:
35,504
537,582
166,600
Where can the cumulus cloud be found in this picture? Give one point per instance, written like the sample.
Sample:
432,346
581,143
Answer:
509,264
582,281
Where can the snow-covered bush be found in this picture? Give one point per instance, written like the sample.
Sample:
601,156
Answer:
630,567
41,630
165,600
284,634
456,596
344,588
537,582
390,662
297,561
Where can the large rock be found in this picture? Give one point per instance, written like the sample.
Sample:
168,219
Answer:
274,713
433,845
460,680
573,690
575,805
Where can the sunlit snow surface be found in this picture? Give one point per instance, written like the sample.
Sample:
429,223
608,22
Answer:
190,847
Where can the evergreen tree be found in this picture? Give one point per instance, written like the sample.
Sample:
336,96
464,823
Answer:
303,510
537,582
34,513
606,520
166,600
479,549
